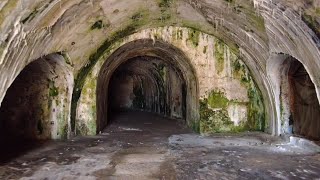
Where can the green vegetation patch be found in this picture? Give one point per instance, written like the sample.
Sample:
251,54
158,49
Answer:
53,90
165,4
86,128
312,23
219,55
193,37
93,59
213,121
255,107
7,9
256,110
217,100
205,49
195,126
137,16
214,116
165,7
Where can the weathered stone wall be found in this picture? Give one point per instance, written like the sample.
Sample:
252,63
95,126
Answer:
84,30
37,105
230,99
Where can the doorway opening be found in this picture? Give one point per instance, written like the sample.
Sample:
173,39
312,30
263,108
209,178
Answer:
36,106
147,84
299,103
147,76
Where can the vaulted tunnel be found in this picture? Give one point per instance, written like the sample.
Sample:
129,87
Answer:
159,89
147,84
147,76
36,106
300,105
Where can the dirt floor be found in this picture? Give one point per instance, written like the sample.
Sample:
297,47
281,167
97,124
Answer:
146,146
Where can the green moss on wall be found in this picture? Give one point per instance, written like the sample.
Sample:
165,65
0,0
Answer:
213,110
137,16
256,21
165,11
210,30
160,75
195,126
165,16
255,107
62,119
205,49
87,128
217,100
213,121
82,128
162,70
165,3
92,125
193,37
64,131
312,23
53,90
94,57
219,55
256,111
7,9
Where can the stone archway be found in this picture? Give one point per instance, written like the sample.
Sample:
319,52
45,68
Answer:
300,109
166,58
147,84
295,97
226,88
36,105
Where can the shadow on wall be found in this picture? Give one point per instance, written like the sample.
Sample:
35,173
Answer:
36,106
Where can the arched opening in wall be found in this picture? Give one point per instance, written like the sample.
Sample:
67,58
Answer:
300,108
147,76
147,84
36,106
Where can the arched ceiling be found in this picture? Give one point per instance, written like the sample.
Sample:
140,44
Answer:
83,29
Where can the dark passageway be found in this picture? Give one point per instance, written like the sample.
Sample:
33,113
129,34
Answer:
147,84
304,104
149,76
159,89
32,107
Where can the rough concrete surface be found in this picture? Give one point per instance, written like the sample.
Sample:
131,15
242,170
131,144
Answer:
152,147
